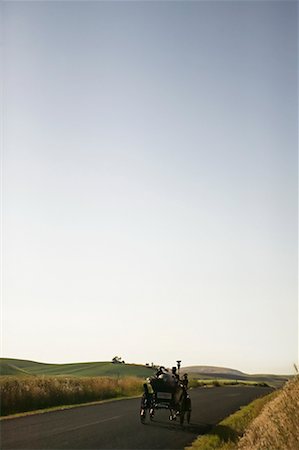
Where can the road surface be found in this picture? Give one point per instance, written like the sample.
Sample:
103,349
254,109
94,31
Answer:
116,425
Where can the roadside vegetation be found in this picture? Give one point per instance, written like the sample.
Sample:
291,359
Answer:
222,382
270,422
20,394
277,427
225,435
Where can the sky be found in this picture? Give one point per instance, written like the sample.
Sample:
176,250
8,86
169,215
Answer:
150,182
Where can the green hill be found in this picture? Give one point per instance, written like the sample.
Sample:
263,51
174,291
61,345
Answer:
11,369
20,367
9,366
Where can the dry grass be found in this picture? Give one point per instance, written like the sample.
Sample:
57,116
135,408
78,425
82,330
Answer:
19,394
226,434
277,427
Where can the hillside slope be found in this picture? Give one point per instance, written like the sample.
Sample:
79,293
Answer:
11,369
23,367
20,367
212,370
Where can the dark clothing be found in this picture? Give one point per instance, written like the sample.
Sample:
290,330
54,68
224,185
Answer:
185,383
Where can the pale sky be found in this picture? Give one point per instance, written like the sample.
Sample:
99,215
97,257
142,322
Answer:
150,182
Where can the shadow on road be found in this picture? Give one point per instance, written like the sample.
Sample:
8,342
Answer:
192,428
198,428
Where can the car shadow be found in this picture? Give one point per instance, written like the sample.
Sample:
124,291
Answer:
192,428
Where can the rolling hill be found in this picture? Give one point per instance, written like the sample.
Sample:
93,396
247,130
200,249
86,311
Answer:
21,367
11,369
211,370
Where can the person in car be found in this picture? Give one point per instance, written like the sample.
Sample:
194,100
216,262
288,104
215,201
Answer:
175,375
185,381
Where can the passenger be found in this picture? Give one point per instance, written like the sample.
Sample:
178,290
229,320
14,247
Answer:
175,374
160,371
185,381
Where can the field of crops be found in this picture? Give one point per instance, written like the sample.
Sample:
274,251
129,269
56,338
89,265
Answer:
19,394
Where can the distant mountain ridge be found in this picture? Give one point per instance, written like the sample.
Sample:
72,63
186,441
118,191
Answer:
212,370
224,373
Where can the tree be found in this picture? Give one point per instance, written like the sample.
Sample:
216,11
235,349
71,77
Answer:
116,360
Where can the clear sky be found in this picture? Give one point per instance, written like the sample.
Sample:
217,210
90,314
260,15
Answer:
150,182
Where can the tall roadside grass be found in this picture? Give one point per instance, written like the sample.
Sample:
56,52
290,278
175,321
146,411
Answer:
226,434
20,394
268,423
277,427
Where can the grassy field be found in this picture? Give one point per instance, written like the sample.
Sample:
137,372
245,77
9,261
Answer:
222,382
29,385
275,381
24,368
19,394
29,393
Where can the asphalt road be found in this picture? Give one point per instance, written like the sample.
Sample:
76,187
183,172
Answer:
116,425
